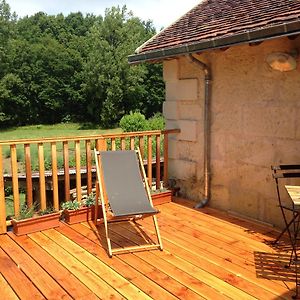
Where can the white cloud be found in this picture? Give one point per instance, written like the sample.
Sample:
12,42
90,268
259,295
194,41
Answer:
162,12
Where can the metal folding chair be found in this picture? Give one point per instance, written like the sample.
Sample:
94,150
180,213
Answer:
124,194
282,174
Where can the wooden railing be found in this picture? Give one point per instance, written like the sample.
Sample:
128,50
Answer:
35,167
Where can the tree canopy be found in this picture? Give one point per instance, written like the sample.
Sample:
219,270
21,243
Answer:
56,68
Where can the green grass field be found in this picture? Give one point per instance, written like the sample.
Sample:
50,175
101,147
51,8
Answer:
57,130
44,131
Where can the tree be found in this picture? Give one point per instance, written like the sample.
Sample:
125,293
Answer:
111,87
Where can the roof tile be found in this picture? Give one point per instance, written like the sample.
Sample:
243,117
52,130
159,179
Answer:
220,18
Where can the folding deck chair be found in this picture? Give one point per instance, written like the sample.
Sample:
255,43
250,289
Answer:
124,193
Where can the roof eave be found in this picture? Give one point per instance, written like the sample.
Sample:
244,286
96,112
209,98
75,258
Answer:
286,29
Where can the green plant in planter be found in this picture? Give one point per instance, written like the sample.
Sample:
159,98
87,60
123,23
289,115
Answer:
26,212
89,201
47,211
71,205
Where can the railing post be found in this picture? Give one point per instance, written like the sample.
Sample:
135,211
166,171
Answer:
88,155
2,197
54,176
29,198
15,182
157,165
166,159
149,161
42,185
78,170
66,170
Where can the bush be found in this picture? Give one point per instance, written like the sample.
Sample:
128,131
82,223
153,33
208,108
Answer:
134,122
157,122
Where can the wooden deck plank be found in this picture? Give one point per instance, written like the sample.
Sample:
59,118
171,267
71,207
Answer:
14,275
150,267
200,240
149,271
116,281
64,278
172,263
41,279
6,291
248,284
77,268
207,254
85,236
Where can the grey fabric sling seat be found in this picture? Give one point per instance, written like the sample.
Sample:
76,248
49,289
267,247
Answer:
124,192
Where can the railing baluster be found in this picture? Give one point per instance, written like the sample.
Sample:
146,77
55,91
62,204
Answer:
123,143
2,197
113,144
78,171
149,161
54,176
88,166
142,146
42,176
66,170
29,198
166,159
157,166
15,182
132,143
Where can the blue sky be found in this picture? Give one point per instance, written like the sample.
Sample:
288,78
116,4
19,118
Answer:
161,12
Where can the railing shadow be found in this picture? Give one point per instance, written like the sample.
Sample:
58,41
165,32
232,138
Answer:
274,266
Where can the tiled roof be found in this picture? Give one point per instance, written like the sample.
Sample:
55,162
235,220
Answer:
212,19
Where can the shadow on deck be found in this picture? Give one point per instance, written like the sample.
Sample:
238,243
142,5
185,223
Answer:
208,255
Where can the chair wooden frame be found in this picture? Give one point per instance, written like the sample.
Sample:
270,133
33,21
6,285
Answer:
108,217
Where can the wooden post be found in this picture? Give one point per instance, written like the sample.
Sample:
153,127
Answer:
166,159
88,166
142,146
54,176
2,197
157,162
66,170
78,171
123,144
113,144
29,198
42,176
15,183
132,143
149,161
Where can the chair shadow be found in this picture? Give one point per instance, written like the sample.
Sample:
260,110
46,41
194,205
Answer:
274,266
124,234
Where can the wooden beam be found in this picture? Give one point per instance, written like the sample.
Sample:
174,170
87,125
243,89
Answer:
78,172
54,176
2,197
29,197
15,183
66,170
42,183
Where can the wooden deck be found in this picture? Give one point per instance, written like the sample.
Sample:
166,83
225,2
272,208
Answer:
208,255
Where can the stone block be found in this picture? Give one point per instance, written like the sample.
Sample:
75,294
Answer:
170,110
170,70
188,130
189,111
182,169
173,149
185,89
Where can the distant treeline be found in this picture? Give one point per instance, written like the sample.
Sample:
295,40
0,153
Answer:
74,68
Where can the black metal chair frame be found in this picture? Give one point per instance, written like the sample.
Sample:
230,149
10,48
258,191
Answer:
283,172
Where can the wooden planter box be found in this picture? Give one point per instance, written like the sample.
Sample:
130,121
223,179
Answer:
21,227
161,197
82,214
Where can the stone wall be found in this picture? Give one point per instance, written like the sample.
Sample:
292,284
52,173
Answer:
255,123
